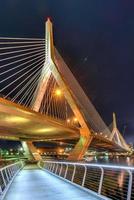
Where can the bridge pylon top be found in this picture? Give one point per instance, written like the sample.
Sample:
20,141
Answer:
114,120
49,41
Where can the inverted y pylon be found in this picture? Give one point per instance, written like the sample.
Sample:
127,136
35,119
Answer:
117,137
54,65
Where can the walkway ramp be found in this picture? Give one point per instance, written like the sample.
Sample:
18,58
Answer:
35,184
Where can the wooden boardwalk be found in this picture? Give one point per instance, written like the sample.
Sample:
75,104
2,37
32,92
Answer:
35,184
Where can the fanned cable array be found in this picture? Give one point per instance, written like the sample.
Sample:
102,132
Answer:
21,70
21,61
54,103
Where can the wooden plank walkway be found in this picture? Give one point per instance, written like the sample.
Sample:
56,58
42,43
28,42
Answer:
35,184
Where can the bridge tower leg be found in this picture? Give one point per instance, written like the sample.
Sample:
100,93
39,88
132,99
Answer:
81,147
30,151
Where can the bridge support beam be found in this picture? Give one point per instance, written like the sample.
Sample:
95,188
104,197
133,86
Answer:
81,147
30,151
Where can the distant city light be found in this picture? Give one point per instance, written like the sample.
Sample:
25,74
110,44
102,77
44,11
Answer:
61,143
21,149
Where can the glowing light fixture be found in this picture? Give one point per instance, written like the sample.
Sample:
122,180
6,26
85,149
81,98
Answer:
58,92
68,120
75,119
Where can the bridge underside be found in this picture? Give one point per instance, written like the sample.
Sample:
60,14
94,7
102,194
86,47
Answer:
20,123
99,144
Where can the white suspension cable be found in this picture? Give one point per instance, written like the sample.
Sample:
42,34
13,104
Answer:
28,92
19,60
21,83
24,42
40,56
16,96
24,54
18,51
18,79
15,73
18,47
20,92
13,38
29,99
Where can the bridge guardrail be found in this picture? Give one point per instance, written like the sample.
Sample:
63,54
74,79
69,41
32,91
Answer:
7,174
107,181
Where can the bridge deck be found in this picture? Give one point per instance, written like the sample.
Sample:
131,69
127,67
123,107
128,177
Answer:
35,184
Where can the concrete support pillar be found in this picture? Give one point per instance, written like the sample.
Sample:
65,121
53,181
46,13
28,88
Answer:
30,151
81,147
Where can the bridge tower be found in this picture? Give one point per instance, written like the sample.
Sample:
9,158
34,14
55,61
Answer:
116,135
63,77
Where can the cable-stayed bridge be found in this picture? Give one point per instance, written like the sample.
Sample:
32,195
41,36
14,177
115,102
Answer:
41,99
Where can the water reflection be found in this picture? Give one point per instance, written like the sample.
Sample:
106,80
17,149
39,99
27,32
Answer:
118,160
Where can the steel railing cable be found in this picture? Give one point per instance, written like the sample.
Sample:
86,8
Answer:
114,182
7,174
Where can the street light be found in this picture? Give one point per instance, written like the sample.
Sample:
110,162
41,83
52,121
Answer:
58,92
75,119
68,120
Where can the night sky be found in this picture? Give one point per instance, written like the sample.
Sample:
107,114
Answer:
96,40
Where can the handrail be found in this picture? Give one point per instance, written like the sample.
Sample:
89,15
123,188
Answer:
107,181
7,174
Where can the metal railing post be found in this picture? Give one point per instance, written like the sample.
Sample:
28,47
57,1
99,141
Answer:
3,178
56,168
53,167
60,169
129,185
10,176
73,173
66,171
7,175
101,180
84,177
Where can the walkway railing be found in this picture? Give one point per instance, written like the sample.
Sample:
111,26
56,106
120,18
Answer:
113,182
7,175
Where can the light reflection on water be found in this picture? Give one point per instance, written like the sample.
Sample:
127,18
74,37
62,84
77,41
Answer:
124,161
117,180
